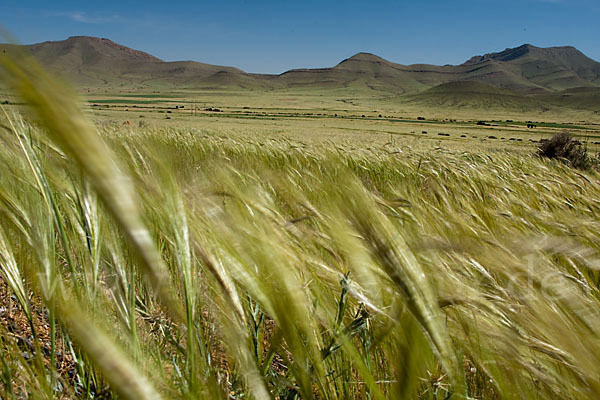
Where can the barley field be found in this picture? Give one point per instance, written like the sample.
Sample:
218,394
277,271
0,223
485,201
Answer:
167,262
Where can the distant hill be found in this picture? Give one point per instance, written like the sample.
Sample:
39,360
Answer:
583,98
554,68
476,95
525,70
91,61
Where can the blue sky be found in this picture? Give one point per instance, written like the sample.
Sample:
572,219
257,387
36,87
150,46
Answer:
274,36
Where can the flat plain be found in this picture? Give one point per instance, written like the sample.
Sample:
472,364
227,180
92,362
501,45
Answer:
359,117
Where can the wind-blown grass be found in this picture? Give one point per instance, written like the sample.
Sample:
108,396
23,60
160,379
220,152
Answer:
176,264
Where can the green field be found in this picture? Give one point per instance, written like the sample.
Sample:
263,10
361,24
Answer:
292,244
320,116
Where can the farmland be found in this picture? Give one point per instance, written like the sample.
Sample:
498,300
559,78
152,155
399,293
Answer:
315,116
292,244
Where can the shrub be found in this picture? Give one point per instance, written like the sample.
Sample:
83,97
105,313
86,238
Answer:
562,146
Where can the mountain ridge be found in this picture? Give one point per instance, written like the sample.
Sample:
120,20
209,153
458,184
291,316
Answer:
100,62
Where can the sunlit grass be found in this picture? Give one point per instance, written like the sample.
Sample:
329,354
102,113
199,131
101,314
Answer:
177,264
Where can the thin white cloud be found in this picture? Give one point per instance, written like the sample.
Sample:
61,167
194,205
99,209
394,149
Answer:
85,18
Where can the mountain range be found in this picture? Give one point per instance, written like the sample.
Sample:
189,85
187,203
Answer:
524,70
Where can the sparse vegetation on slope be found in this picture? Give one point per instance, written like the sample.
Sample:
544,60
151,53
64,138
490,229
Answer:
475,96
94,62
